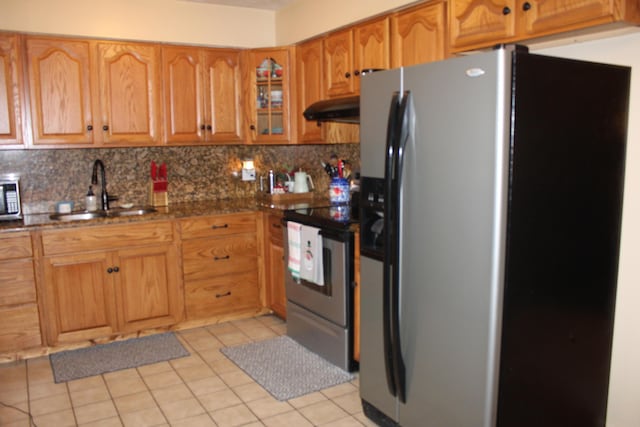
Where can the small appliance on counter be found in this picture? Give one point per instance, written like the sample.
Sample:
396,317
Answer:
10,205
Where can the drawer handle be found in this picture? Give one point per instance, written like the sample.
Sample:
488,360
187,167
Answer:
226,294
220,258
276,225
215,227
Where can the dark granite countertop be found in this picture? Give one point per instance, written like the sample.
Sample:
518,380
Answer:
173,211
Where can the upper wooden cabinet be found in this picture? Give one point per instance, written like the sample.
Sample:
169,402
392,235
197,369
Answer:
129,93
481,23
348,52
269,74
338,64
71,80
418,35
372,47
60,89
202,96
10,91
310,87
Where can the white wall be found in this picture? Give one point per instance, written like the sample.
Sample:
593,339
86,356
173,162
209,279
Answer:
186,22
624,389
304,19
151,20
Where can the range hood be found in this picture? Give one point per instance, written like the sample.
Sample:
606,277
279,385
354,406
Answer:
344,110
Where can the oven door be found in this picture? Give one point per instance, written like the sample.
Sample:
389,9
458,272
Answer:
331,300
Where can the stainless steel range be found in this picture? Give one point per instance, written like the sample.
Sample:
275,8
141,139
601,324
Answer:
320,316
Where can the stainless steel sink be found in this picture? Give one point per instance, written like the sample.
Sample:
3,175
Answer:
78,216
112,213
135,211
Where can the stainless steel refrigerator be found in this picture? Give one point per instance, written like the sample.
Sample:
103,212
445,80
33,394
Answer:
491,198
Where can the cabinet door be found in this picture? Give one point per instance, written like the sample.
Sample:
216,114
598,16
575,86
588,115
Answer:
480,22
60,91
275,265
79,297
541,17
371,48
148,291
129,79
338,64
223,114
309,69
418,35
277,295
270,73
183,96
10,87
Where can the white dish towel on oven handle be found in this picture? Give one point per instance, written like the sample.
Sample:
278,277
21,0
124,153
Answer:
311,255
293,241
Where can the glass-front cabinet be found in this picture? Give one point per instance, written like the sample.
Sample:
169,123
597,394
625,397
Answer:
271,74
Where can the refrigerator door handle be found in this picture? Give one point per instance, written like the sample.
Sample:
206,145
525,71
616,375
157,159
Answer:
389,167
401,137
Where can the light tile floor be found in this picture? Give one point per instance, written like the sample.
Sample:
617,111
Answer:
204,389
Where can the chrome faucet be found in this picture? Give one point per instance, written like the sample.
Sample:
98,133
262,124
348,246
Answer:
94,180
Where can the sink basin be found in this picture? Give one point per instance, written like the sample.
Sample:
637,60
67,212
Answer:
78,216
135,211
112,213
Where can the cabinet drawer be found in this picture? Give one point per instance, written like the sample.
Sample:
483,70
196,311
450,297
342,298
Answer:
15,245
20,328
17,284
105,237
220,295
207,258
219,225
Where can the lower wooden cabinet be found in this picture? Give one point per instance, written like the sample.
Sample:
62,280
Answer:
220,266
108,280
275,265
19,319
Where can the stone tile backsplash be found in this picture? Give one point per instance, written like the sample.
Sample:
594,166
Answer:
194,173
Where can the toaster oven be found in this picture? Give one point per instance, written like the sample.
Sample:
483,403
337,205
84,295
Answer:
10,206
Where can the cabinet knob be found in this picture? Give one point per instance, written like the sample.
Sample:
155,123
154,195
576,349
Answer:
202,127
252,127
116,269
226,294
209,127
347,74
506,10
109,270
526,6
105,128
356,73
89,128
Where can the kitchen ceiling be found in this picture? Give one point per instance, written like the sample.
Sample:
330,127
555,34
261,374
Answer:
255,4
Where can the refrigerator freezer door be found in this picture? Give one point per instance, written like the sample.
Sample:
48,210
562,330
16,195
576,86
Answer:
373,382
453,204
377,91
